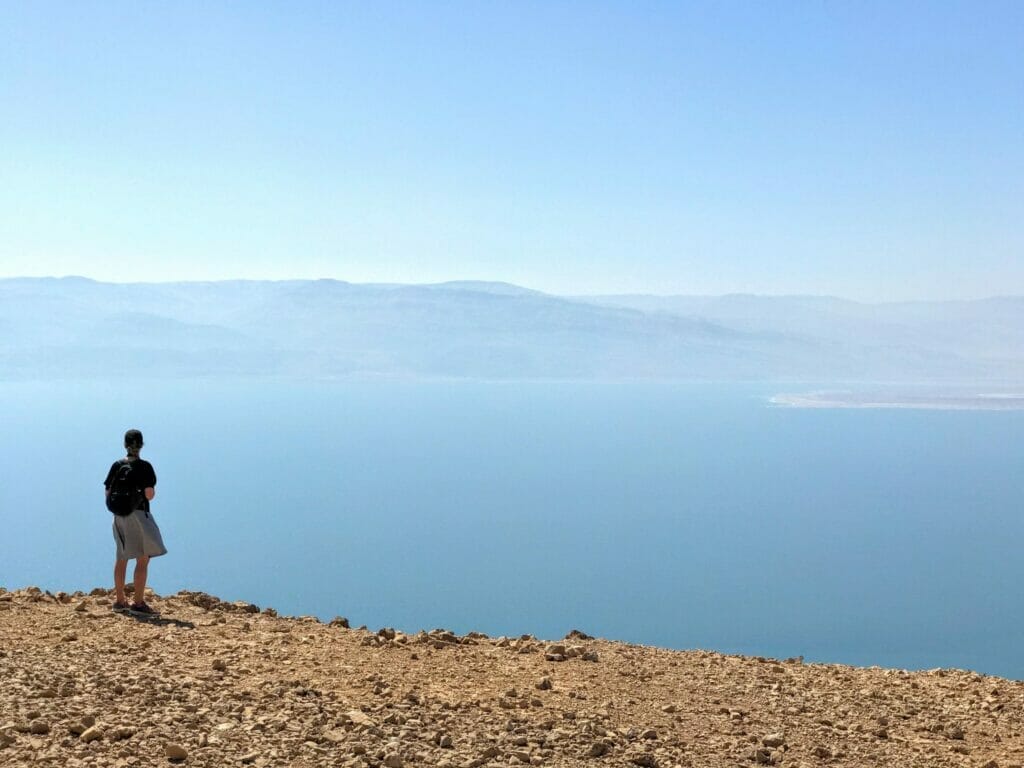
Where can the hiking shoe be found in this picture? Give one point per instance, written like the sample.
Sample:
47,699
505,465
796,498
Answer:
141,609
120,607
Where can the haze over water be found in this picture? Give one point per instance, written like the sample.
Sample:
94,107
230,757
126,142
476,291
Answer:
681,515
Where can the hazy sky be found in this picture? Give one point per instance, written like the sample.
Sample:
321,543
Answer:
869,150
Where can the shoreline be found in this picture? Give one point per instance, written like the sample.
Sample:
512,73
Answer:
890,400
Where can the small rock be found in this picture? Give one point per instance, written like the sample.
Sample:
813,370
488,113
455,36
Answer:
92,734
544,684
575,634
335,736
774,740
597,749
339,621
249,758
220,665
39,727
175,752
393,760
589,656
359,717
669,709
650,733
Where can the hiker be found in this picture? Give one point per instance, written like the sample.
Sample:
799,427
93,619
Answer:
130,486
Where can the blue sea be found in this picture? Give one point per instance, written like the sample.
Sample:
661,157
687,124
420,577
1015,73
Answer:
678,515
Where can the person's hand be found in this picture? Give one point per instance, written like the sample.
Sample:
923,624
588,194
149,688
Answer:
150,493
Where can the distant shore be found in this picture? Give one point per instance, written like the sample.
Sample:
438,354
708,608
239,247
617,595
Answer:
995,401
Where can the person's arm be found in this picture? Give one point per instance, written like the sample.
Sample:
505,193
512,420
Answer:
150,489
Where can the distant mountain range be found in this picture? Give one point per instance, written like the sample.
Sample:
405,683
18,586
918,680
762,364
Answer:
75,327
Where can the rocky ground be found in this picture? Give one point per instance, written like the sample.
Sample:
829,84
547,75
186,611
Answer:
213,683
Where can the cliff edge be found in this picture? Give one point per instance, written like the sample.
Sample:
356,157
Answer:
214,683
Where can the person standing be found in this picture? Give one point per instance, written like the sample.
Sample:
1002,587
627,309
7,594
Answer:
130,486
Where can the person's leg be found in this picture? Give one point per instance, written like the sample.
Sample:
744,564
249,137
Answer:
120,568
141,571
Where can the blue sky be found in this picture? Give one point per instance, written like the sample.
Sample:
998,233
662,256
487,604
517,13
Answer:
868,150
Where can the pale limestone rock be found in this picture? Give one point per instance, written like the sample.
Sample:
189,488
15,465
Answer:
95,733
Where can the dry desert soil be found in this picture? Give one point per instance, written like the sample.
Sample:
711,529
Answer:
214,683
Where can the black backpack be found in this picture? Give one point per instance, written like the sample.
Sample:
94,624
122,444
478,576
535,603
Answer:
124,496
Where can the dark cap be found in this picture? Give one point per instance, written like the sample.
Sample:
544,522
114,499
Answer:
132,437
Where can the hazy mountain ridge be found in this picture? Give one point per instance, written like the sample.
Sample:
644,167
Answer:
983,332
78,327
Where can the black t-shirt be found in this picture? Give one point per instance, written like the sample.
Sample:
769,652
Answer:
142,476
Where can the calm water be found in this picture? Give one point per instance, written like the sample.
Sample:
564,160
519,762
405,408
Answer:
688,516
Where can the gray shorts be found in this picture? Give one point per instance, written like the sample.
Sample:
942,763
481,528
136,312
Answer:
136,535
